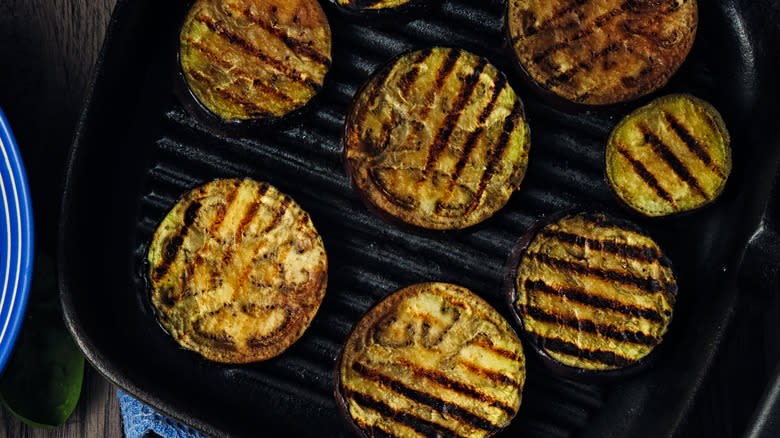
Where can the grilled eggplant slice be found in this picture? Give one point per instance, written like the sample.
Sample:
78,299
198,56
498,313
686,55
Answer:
237,271
437,139
254,59
601,53
433,359
593,294
670,156
380,9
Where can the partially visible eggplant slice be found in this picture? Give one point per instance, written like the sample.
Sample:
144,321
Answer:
601,53
237,271
433,359
389,11
247,60
670,156
593,295
437,139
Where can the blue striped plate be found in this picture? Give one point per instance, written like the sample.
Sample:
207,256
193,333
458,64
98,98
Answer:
16,241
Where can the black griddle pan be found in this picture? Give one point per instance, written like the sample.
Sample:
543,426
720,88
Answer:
137,150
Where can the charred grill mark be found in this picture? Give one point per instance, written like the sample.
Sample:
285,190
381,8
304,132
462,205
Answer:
373,430
456,386
249,216
448,126
598,23
206,50
441,76
374,89
473,137
640,253
297,46
493,376
278,214
510,124
241,101
583,297
692,144
222,210
584,325
602,356
173,246
419,425
557,15
647,176
426,399
408,79
272,91
650,285
247,47
483,342
568,75
666,154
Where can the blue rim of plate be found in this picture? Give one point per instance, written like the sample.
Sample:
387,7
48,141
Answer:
16,241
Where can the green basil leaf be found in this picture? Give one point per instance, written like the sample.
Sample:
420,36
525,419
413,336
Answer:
42,381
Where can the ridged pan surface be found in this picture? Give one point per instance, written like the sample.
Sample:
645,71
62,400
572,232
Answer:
137,150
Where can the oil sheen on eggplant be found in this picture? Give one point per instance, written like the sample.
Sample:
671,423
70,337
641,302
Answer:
431,360
670,156
601,52
237,271
437,139
591,294
255,59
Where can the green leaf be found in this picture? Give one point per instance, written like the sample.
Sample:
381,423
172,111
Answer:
42,381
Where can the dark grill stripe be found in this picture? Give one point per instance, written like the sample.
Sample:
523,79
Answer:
601,356
205,50
568,75
510,124
487,344
278,214
298,47
408,79
373,430
173,246
249,216
599,22
494,376
588,326
457,386
435,403
583,297
650,285
640,253
692,144
251,107
246,46
419,425
452,118
474,136
557,15
446,68
222,210
663,151
647,177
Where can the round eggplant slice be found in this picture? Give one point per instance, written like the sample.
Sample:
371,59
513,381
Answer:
437,139
396,10
237,271
433,359
670,156
601,53
254,59
594,296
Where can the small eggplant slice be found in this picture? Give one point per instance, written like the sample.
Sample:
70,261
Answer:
237,271
601,53
391,9
254,59
593,295
670,156
437,139
433,359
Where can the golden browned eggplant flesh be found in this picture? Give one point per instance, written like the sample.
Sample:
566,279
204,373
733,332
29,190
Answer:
592,294
438,139
237,271
431,360
374,4
601,52
255,59
670,156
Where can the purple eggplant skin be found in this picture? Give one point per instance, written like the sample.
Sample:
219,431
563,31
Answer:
509,291
388,17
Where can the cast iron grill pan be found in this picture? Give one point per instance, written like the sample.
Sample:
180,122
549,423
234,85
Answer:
137,150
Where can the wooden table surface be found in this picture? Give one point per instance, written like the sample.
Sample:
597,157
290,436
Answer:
49,48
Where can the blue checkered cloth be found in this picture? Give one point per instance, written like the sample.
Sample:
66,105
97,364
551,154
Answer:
141,421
